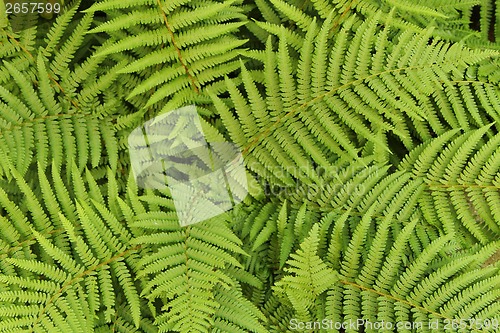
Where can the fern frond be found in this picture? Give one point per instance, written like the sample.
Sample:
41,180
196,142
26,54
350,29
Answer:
459,172
450,18
38,125
393,284
309,276
326,112
99,253
193,282
202,45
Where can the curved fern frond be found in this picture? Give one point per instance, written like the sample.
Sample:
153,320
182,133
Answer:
386,96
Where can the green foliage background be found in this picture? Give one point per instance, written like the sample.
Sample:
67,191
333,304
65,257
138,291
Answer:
370,132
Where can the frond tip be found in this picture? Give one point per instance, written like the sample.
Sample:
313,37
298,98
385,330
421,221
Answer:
308,275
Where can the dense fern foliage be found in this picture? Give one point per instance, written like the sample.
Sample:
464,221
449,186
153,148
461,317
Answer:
370,137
